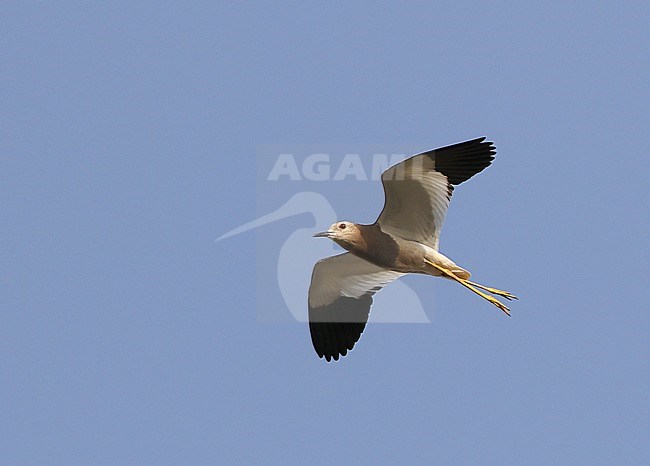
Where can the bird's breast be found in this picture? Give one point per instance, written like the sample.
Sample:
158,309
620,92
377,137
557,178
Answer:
389,252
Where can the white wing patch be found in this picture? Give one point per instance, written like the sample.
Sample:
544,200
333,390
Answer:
417,199
346,275
418,189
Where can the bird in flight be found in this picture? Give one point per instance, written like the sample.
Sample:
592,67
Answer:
404,239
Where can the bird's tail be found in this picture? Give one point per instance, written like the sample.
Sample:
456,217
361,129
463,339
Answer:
446,263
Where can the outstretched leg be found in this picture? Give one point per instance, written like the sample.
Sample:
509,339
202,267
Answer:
505,294
465,283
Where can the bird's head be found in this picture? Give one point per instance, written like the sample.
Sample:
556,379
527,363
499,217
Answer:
343,233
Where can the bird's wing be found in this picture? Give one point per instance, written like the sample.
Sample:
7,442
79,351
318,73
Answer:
340,295
418,190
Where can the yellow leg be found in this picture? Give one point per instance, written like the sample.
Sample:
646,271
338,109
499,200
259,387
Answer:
453,276
505,294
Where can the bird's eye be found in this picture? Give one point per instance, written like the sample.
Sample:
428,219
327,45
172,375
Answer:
342,226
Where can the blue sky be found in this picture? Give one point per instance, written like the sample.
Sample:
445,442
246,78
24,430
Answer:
128,143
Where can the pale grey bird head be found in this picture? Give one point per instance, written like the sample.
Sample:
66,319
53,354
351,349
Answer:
341,233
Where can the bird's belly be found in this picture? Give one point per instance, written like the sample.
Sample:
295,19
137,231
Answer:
410,258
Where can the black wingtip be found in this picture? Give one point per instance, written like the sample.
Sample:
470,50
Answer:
334,340
459,162
337,327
